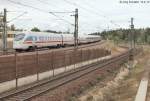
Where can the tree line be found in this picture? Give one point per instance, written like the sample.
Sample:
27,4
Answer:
141,35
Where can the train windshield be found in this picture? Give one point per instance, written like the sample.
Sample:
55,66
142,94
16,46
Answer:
19,37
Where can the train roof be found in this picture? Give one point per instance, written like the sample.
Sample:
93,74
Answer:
48,33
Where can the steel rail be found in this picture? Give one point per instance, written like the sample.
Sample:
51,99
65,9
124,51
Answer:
29,92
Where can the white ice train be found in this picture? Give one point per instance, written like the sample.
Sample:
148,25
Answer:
32,40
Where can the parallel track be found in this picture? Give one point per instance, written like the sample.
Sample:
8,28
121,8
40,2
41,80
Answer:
38,89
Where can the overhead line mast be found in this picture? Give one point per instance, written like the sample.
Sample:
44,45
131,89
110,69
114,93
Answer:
132,42
4,35
76,28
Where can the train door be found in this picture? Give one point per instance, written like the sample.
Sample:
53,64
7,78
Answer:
62,39
34,38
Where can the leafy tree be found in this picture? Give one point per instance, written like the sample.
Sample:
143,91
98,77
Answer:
123,35
35,29
12,27
147,34
51,31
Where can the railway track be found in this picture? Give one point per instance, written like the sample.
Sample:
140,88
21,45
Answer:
32,91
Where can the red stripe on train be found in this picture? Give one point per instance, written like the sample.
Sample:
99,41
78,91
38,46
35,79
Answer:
29,42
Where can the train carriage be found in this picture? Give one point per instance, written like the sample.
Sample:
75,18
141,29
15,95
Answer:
32,40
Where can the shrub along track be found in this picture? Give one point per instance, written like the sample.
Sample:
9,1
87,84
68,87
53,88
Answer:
36,90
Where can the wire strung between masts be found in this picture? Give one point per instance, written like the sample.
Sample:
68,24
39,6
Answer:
41,10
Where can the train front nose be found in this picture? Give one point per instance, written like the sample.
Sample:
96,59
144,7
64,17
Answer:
16,45
20,45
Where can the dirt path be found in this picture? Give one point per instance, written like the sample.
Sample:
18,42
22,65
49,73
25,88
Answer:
148,90
143,86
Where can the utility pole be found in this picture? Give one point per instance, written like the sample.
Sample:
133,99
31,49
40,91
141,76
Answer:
1,23
4,36
132,42
76,28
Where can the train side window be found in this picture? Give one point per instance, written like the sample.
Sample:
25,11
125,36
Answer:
29,38
34,38
52,38
40,38
19,37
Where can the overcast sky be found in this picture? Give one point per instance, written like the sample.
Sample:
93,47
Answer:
94,15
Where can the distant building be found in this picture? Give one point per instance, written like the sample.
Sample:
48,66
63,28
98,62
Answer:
10,35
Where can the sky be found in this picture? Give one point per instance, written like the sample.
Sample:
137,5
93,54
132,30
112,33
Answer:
94,15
